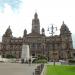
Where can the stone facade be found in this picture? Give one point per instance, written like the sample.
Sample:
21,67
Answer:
53,47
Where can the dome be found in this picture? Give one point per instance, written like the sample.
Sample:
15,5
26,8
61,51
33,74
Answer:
8,32
64,29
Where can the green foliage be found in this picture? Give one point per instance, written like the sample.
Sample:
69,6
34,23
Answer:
3,56
9,56
71,61
40,59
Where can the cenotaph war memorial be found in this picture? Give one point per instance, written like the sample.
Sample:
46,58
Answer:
25,53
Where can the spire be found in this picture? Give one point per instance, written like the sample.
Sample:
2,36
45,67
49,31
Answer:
9,26
63,22
25,33
43,31
36,15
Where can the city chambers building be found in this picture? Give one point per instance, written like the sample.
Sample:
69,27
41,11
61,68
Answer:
57,46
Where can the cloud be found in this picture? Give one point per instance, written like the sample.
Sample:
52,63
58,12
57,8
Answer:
14,4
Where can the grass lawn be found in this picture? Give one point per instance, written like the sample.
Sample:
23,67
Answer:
60,70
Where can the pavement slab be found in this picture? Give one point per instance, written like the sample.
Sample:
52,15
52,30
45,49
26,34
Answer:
17,69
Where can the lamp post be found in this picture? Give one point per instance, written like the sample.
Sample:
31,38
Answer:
51,31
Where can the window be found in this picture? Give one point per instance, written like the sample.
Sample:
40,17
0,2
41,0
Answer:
74,54
39,45
33,54
33,45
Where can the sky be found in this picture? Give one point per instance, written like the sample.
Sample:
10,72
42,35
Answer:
19,14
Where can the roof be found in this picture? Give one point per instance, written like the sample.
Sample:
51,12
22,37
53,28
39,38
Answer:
34,34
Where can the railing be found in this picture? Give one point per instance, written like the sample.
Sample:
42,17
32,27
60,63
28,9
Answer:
39,70
44,70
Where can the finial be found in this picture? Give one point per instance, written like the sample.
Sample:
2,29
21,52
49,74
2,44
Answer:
25,29
63,22
36,15
9,27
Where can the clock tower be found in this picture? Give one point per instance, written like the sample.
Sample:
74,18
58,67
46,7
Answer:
36,24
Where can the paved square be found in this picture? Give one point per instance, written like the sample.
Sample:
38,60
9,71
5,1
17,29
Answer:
16,69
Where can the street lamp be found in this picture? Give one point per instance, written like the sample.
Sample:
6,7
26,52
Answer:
51,31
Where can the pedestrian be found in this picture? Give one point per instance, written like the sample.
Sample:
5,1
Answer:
29,61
